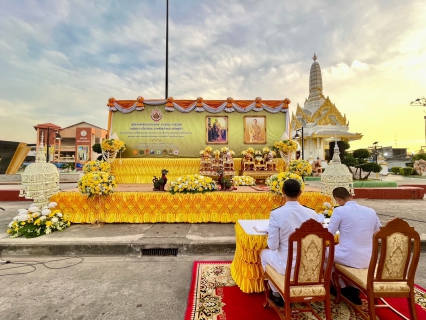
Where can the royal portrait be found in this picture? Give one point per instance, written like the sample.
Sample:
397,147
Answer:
255,129
217,129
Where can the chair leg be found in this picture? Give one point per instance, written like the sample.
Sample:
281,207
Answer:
412,306
371,307
338,288
267,290
287,309
327,304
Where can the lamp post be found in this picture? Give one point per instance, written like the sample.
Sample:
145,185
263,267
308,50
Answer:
422,103
57,137
296,136
375,150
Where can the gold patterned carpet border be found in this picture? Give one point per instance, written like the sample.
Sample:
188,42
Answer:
213,295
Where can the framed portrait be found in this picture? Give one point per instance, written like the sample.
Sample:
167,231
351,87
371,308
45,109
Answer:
216,129
255,129
82,153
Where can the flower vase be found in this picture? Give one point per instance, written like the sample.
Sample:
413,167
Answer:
109,156
286,156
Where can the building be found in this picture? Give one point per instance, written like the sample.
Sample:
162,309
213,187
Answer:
320,119
71,144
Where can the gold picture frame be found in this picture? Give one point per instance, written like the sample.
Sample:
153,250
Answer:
255,129
217,129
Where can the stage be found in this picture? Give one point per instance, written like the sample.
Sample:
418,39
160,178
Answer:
137,203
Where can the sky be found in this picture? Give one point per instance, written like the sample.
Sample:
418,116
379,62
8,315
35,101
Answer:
60,60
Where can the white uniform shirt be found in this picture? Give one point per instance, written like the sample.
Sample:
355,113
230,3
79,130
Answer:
282,222
356,225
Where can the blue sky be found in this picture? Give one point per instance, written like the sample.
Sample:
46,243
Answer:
60,61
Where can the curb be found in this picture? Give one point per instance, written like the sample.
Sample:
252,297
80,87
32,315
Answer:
134,248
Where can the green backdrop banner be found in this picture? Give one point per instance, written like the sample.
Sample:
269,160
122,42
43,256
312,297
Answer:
157,133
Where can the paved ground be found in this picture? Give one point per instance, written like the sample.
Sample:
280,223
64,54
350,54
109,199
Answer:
127,286
116,287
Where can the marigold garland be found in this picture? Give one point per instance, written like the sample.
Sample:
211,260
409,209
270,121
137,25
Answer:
285,146
192,184
276,181
97,165
113,145
300,167
33,222
97,183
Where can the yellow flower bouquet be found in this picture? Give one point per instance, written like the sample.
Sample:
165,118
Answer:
243,181
326,209
193,183
113,145
285,146
97,184
300,167
33,222
97,166
276,181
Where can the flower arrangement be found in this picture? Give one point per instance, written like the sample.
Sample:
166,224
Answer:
248,153
285,146
206,152
192,184
97,184
243,181
265,150
326,209
258,153
276,181
113,145
33,222
300,167
258,158
97,166
224,150
216,153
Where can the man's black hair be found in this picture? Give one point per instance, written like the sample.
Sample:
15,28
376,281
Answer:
291,188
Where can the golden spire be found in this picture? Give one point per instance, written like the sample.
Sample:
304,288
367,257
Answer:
315,57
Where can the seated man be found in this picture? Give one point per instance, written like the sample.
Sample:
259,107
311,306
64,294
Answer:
282,222
356,225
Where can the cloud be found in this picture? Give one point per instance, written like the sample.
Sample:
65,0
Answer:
62,60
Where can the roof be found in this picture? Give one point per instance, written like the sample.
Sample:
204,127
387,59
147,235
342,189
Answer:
47,126
199,105
82,123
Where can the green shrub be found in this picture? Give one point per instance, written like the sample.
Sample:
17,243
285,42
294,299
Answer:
419,156
97,148
406,171
395,170
371,167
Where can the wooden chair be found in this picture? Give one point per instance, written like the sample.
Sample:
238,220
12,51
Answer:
310,280
392,268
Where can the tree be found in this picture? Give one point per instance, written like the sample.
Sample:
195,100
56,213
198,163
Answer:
419,156
350,161
370,167
97,148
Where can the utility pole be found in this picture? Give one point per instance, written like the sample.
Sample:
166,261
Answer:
167,51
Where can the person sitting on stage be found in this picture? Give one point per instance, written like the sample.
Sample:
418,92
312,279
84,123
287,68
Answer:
316,167
282,222
356,225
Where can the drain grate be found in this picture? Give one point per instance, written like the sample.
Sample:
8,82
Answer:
159,252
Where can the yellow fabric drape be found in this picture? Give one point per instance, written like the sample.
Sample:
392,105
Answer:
142,170
151,207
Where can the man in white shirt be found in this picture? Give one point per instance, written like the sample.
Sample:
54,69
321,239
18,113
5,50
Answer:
282,222
356,225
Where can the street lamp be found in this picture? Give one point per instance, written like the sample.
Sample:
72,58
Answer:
422,103
375,150
297,136
57,137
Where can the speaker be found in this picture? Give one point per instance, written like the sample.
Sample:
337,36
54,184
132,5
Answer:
341,147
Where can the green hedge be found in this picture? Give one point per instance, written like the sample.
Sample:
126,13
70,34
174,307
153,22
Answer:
406,171
395,169
375,184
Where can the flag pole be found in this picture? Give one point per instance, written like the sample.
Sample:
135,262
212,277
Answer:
167,51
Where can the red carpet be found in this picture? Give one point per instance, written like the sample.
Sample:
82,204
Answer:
213,295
